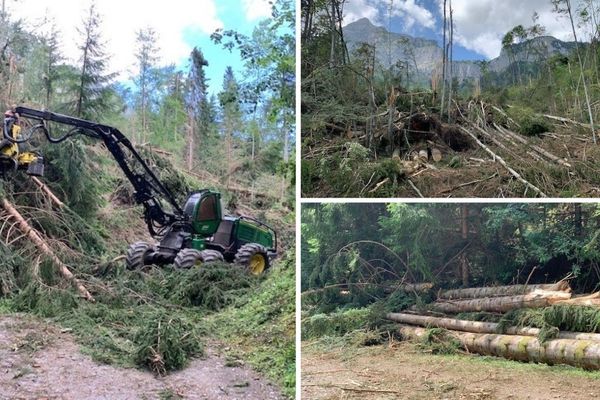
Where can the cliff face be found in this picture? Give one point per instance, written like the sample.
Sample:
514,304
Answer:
427,54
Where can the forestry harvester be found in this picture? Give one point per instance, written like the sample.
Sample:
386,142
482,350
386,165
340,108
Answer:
188,235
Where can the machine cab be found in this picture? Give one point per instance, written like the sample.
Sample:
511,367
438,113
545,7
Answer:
203,210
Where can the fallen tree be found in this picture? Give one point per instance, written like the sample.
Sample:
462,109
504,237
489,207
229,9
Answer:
496,291
537,298
578,353
481,327
43,247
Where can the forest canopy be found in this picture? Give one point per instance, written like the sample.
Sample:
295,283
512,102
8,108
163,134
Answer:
352,252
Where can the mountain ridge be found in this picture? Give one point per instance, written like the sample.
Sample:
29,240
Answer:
425,55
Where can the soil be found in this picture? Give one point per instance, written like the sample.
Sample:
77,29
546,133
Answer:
404,372
39,361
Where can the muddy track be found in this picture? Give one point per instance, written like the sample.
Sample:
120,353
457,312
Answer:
38,361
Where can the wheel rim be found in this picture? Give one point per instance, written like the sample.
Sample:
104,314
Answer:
257,264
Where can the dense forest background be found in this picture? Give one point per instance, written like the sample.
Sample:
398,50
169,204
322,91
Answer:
355,254
359,111
238,141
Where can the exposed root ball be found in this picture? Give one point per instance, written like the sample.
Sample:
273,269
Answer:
451,135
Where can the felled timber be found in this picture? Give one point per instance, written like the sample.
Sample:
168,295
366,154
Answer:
535,299
496,291
43,247
578,353
480,327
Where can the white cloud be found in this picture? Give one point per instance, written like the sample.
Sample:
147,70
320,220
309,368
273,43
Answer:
413,13
480,25
357,9
120,20
257,9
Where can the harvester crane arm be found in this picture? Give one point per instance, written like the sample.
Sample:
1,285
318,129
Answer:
148,187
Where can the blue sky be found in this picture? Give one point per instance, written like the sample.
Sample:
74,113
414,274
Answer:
479,24
180,25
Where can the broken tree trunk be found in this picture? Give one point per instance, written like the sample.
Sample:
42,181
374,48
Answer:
480,327
578,353
538,298
48,192
45,249
566,120
495,157
497,291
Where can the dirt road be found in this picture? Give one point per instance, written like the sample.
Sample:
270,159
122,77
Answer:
404,372
38,361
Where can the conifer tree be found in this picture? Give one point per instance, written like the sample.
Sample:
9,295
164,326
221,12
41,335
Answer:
146,62
232,116
94,82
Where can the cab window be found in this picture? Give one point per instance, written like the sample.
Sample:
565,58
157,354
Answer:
208,209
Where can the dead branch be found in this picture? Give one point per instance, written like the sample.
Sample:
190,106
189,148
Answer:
504,164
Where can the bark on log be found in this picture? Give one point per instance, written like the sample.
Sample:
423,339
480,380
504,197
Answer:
48,192
497,291
535,299
495,157
480,327
46,250
578,353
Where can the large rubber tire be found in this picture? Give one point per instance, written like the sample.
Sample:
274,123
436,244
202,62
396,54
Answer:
188,258
136,253
254,257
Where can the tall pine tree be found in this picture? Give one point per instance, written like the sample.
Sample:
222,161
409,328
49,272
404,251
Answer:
146,62
232,115
94,82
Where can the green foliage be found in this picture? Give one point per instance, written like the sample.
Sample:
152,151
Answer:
531,123
335,324
166,342
214,286
552,320
439,341
263,325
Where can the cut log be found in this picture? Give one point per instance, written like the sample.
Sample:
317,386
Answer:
578,353
497,158
480,327
589,300
48,192
535,299
496,291
436,154
46,250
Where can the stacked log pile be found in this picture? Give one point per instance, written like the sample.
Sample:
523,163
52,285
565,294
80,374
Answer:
580,349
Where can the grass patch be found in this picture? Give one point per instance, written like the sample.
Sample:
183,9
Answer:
262,326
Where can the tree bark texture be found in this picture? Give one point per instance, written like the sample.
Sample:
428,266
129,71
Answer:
578,353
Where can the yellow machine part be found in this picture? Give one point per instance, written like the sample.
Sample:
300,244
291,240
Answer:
12,150
26,158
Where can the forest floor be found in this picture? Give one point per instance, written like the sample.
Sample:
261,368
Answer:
562,163
39,360
403,371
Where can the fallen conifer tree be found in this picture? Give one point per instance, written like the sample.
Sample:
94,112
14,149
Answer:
481,327
537,298
578,353
497,291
